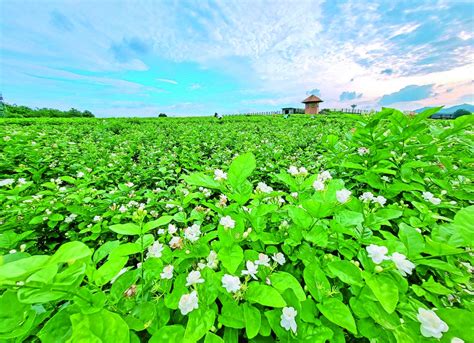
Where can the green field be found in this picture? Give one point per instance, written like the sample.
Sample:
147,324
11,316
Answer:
254,214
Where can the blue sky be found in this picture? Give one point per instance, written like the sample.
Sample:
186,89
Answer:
140,58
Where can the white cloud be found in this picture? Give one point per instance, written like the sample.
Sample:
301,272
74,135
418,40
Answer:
173,82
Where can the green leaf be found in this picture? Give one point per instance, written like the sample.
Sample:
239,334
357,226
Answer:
202,180
412,239
316,281
385,290
199,323
168,334
125,250
338,313
282,281
346,271
241,168
59,327
129,229
19,269
264,295
109,270
300,217
156,223
463,221
97,327
231,257
252,320
459,322
212,338
71,251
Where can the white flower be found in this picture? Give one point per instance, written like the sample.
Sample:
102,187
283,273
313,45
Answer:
13,251
155,250
324,176
176,243
167,272
192,233
366,197
268,281
80,174
188,303
22,247
227,222
263,260
212,260
219,175
6,182
172,229
251,269
122,209
288,319
97,218
161,231
318,185
457,340
129,184
363,151
377,253
431,324
385,178
193,278
293,170
21,181
294,194
264,188
231,283
428,196
380,200
70,218
122,271
6,138
343,195
303,171
403,265
279,258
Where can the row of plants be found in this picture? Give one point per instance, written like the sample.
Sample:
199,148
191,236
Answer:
257,229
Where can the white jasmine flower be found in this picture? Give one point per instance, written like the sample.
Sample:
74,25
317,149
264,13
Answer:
363,151
324,176
231,283
7,138
161,231
176,242
80,174
13,251
129,184
385,178
288,319
62,189
21,181
219,175
431,324
155,250
22,247
122,209
227,222
122,271
97,218
194,278
428,196
303,171
222,200
6,182
403,265
48,212
263,188
188,303
279,258
251,269
366,197
172,229
192,233
293,170
318,185
263,260
377,253
167,272
294,194
343,195
70,218
212,260
380,200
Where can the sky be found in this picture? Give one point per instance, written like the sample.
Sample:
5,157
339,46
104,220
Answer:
184,57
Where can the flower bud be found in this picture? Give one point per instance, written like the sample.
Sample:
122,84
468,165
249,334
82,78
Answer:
378,269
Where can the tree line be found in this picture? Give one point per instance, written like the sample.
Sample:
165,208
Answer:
15,111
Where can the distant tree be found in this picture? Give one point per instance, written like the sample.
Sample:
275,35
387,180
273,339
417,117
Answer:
87,114
460,112
353,107
15,111
162,115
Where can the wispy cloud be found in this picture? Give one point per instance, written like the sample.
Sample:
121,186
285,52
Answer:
408,93
168,81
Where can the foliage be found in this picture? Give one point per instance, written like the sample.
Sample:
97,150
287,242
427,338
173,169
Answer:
258,229
15,111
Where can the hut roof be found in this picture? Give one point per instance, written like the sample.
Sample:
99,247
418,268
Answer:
312,98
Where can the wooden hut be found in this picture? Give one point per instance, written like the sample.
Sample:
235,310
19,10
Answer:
311,104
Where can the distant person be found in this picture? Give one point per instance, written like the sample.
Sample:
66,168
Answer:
218,116
286,116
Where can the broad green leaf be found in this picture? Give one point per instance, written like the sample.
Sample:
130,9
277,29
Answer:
316,281
109,270
202,180
347,271
252,320
412,239
70,252
300,217
338,313
264,295
156,223
129,229
385,290
231,257
168,334
199,323
463,221
212,338
19,269
282,281
241,168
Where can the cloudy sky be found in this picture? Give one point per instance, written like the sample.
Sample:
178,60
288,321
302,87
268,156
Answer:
140,58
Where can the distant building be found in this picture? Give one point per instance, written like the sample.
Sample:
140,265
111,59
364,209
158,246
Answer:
291,110
311,104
